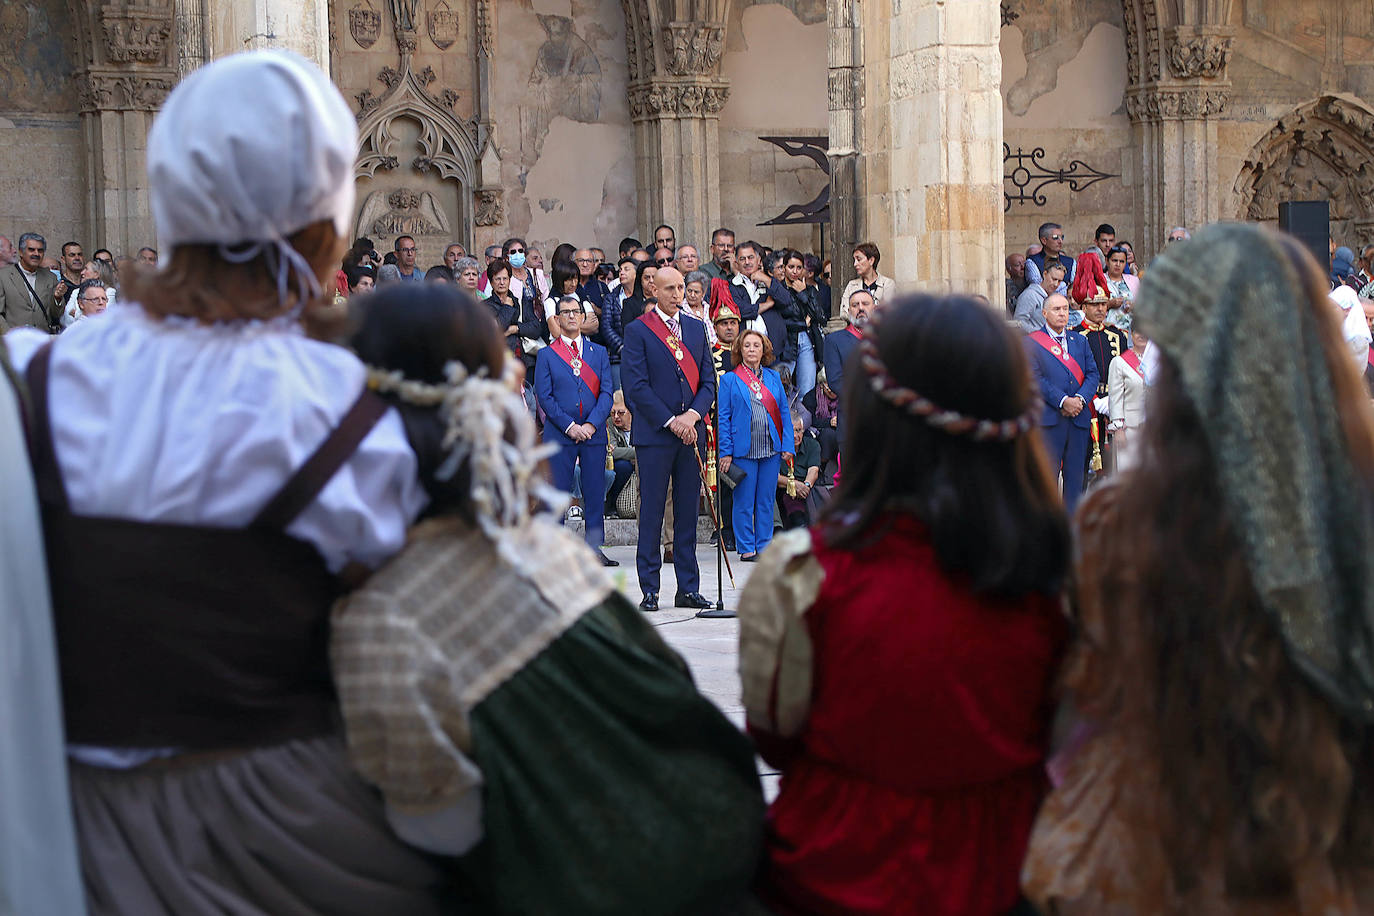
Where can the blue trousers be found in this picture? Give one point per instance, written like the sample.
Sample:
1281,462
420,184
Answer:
805,377
592,459
1068,450
658,464
753,502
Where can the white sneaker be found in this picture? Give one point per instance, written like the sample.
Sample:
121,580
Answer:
574,512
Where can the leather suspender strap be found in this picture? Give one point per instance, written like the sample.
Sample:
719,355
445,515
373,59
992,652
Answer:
47,475
310,478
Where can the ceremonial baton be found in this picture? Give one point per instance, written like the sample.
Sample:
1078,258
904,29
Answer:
715,518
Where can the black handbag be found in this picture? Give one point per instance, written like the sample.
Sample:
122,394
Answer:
733,476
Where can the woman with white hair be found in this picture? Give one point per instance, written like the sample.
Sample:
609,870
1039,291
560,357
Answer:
220,476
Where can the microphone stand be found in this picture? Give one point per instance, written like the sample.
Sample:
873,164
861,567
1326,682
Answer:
713,503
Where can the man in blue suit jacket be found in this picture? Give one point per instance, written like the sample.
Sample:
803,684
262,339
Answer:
669,384
839,344
1066,372
572,382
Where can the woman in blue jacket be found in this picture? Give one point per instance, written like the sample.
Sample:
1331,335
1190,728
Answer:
753,417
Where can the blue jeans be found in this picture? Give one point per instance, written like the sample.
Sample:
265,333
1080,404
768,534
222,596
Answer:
753,502
805,376
615,376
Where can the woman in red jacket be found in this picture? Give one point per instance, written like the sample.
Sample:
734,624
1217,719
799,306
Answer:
898,658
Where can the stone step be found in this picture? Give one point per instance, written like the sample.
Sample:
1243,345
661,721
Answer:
624,532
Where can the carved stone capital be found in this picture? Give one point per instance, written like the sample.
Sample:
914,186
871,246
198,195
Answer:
693,48
1162,103
1199,56
488,209
677,100
136,33
121,91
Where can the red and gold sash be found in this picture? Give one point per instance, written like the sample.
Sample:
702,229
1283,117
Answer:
762,394
675,346
578,366
1059,353
1132,360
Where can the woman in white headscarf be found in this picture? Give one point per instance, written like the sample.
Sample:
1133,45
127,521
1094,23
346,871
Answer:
219,476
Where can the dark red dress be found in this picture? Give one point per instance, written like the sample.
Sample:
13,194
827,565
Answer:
914,783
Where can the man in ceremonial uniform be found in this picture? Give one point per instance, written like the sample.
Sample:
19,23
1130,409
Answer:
726,319
670,384
1067,377
1105,342
572,382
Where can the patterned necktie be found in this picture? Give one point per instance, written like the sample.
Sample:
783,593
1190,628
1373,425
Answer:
673,327
577,347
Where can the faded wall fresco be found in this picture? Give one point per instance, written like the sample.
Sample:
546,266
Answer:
563,123
35,69
776,64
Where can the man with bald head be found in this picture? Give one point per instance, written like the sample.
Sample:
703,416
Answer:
8,254
669,383
590,288
1066,375
1016,279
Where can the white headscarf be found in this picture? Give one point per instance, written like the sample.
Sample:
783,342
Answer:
1354,328
247,151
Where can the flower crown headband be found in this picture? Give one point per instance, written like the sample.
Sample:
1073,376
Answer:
947,421
490,428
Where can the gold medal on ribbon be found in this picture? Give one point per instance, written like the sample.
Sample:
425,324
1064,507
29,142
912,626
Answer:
576,366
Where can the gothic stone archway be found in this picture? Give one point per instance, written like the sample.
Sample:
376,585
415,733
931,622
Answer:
1323,150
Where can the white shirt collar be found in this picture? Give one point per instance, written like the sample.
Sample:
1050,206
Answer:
571,341
664,315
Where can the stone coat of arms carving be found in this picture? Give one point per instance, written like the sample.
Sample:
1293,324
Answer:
365,24
443,25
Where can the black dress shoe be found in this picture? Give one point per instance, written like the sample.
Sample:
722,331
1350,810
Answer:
649,602
729,542
692,600
605,560
752,558
667,554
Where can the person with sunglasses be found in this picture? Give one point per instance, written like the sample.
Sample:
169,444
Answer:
1051,249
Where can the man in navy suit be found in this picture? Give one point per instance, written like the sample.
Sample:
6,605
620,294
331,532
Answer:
670,384
572,382
1066,372
840,344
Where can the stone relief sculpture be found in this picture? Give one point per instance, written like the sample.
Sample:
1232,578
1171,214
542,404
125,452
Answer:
403,14
566,80
1322,151
443,25
365,24
1052,35
402,212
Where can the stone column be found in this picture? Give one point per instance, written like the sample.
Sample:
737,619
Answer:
929,160
845,83
126,65
1177,86
296,25
676,94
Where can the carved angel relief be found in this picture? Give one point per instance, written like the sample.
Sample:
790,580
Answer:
402,212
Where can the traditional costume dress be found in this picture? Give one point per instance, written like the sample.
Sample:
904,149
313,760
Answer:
212,482
908,718
526,718
39,873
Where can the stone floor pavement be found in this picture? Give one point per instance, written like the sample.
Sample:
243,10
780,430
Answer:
711,647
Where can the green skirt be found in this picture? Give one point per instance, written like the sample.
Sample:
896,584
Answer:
611,785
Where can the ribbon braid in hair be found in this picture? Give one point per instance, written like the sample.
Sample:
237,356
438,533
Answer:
948,421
